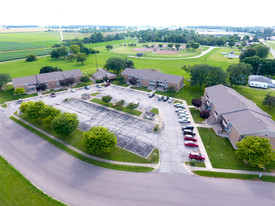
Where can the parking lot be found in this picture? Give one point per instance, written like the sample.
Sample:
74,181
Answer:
133,133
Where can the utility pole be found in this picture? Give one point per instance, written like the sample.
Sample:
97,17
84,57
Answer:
95,60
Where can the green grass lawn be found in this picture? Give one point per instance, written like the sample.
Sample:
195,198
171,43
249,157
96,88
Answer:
8,95
222,154
155,110
94,94
196,164
54,90
141,89
15,189
187,93
75,139
80,156
196,115
119,83
257,96
124,109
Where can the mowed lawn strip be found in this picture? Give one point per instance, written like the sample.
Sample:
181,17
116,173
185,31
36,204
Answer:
222,154
75,139
124,109
80,156
15,189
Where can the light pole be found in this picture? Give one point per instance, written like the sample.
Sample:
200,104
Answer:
258,69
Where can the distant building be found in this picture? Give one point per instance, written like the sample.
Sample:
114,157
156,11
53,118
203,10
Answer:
237,116
261,81
51,79
153,79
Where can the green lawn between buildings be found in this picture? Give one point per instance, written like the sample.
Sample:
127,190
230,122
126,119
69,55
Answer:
82,157
196,115
15,189
75,139
222,154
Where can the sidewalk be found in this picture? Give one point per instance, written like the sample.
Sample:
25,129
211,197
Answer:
231,171
155,166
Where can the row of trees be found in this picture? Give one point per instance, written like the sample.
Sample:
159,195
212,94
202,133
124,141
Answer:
117,65
62,123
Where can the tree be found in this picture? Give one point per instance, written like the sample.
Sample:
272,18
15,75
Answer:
170,45
84,79
220,42
47,69
262,50
70,80
74,49
42,86
160,45
131,106
240,47
115,64
33,109
195,45
253,61
256,151
63,82
239,73
86,50
188,46
269,101
19,90
231,42
177,46
120,103
71,57
106,99
31,58
98,140
133,81
81,57
65,123
109,47
196,102
48,113
24,106
129,63
248,53
4,78
55,54
62,51
205,114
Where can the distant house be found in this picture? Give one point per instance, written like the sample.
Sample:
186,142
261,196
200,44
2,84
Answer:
237,116
51,79
261,81
102,74
153,79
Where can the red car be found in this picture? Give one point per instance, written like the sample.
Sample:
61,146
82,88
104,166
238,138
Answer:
190,137
191,144
108,84
197,156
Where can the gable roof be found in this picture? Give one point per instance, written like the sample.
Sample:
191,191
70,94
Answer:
259,78
227,100
152,74
51,76
72,73
101,73
24,80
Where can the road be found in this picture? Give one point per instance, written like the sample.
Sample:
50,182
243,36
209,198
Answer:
271,50
78,183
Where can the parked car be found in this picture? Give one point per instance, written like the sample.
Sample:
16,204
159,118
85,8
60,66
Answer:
108,84
183,116
98,85
160,98
181,121
53,94
180,106
182,112
191,144
188,127
73,90
165,99
186,121
176,104
152,95
137,103
19,101
179,109
170,100
190,137
87,87
198,156
190,132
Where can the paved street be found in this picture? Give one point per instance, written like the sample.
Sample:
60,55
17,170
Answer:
77,183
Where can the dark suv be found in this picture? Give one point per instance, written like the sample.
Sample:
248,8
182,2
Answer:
160,98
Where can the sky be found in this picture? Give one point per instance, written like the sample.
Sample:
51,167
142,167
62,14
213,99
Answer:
138,12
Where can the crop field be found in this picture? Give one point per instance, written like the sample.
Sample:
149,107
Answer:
9,46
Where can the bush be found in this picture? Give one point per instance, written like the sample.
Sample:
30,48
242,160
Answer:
42,86
98,140
30,58
205,114
133,81
196,102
